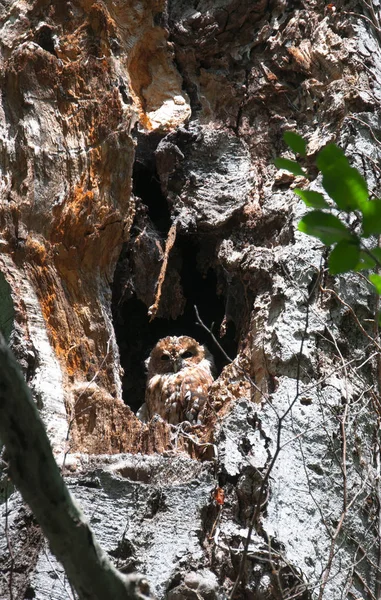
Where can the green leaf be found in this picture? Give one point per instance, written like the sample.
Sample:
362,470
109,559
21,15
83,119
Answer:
365,262
328,228
371,212
311,198
295,142
344,257
376,253
376,280
346,187
330,155
289,165
379,319
343,183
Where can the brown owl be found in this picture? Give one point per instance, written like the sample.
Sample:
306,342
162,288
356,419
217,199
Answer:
179,376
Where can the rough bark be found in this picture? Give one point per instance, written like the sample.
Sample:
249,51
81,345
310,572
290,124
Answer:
186,103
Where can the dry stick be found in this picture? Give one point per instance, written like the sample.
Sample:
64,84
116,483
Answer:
310,586
34,471
364,551
306,389
365,585
366,125
367,19
228,358
258,506
317,583
378,474
278,448
378,470
370,7
372,339
171,238
311,493
246,376
122,541
343,420
267,474
376,333
374,17
58,577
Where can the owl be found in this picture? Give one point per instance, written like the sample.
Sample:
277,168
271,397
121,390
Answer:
178,379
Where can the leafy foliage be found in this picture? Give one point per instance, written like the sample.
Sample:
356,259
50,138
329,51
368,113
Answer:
311,198
349,200
376,280
289,165
344,257
296,142
328,228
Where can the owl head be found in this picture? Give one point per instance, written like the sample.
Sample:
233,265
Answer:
172,354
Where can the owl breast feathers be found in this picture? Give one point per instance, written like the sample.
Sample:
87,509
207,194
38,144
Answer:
179,376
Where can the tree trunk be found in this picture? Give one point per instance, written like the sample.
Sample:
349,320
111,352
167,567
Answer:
137,183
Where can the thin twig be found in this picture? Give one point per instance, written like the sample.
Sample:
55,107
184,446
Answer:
262,489
378,449
238,367
366,125
372,339
201,322
57,574
339,526
122,542
367,19
171,238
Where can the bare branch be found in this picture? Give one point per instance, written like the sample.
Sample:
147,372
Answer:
238,366
171,238
34,471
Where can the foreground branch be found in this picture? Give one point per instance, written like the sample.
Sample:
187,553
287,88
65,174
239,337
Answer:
34,471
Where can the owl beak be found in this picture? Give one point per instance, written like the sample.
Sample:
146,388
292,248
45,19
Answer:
176,366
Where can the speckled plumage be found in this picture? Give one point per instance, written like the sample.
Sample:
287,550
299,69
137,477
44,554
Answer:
179,376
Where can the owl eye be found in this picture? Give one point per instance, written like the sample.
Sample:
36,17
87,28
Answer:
164,357
186,354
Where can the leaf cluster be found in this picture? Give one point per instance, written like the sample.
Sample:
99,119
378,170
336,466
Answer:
346,196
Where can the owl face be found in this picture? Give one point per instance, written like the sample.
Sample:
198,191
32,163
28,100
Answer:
178,380
172,354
